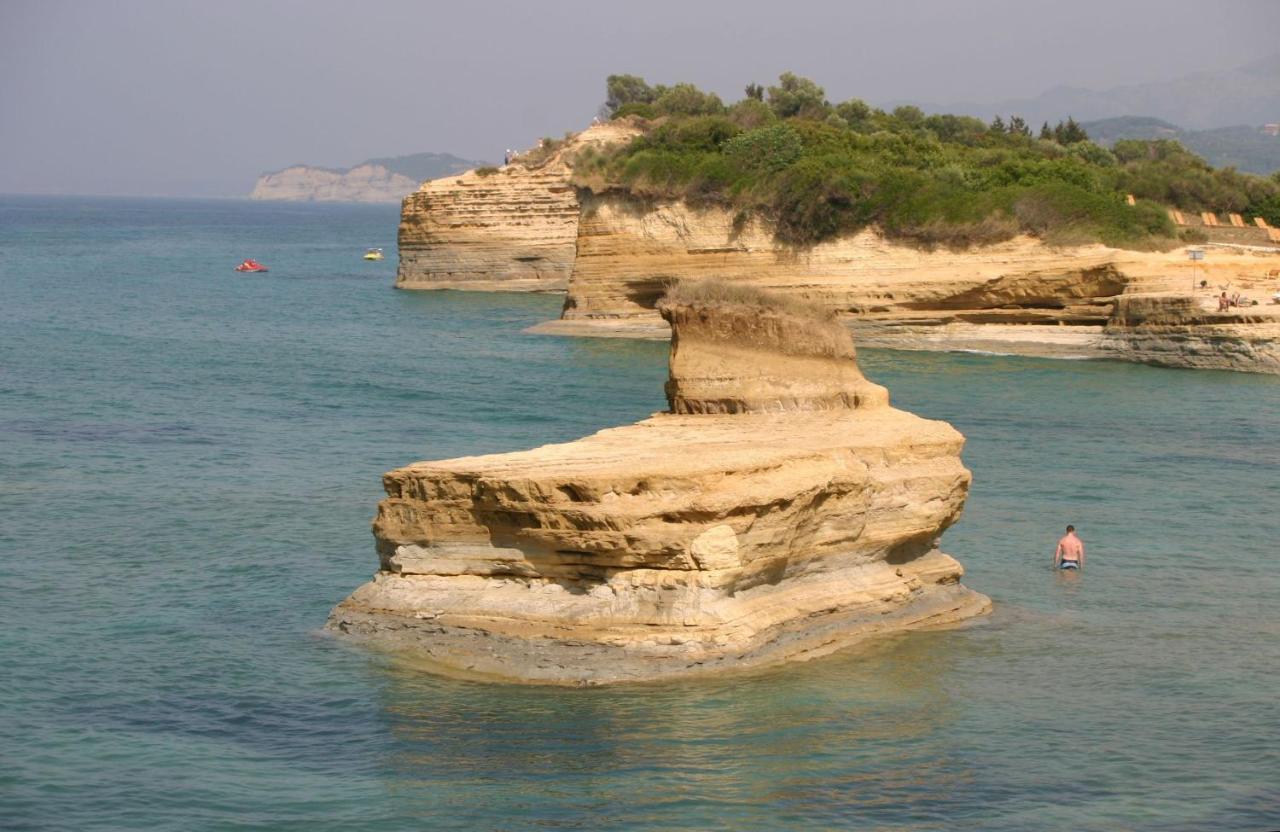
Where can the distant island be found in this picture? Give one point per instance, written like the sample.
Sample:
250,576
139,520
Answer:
387,179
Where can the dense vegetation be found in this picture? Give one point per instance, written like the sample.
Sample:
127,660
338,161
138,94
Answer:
1247,148
818,170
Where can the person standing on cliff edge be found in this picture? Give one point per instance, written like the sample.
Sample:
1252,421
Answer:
1070,551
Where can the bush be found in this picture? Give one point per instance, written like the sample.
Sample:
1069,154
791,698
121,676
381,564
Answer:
798,97
621,90
765,149
855,112
751,113
817,172
688,100
487,170
636,108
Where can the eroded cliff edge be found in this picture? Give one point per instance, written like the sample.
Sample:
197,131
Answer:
1017,296
513,228
780,511
525,227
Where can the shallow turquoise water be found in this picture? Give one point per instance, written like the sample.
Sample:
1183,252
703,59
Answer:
189,460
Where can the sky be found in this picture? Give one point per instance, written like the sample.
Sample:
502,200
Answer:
151,97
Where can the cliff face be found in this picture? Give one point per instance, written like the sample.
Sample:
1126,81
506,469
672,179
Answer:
780,518
526,228
1187,331
627,253
989,297
513,229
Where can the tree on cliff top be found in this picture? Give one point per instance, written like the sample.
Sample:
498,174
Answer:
814,172
795,96
629,89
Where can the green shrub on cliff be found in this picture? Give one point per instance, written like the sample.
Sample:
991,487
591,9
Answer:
817,171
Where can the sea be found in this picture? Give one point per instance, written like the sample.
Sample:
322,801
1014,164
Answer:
190,458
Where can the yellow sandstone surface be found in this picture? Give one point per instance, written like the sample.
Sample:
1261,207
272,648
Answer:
783,510
512,228
1189,331
1020,295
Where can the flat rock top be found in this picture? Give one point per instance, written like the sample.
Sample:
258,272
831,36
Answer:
673,445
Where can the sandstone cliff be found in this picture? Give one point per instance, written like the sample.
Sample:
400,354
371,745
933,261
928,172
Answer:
1187,331
526,228
513,228
783,512
627,253
993,297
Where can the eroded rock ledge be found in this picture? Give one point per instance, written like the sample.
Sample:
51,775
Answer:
783,512
1188,331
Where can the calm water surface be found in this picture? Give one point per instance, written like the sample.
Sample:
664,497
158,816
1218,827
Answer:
189,460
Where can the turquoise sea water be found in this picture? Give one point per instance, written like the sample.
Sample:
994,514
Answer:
189,460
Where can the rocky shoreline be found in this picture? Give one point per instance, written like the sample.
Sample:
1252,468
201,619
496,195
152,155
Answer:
526,227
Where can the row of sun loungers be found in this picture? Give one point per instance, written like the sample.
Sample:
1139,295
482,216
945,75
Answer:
1210,219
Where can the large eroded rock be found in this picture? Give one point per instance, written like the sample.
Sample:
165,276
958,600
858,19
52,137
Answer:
782,518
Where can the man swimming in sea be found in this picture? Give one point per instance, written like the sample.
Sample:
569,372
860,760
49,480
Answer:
1070,551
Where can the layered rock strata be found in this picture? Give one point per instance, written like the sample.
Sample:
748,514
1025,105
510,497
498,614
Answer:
512,228
1017,296
1188,331
782,511
628,253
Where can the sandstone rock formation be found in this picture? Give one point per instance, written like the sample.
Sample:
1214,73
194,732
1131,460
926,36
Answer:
627,253
1187,331
526,228
999,297
783,511
513,228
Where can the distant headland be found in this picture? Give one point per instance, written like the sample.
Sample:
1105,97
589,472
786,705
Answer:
387,179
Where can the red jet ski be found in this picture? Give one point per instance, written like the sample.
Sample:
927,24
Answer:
251,265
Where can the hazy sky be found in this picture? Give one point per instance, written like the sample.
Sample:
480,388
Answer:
178,97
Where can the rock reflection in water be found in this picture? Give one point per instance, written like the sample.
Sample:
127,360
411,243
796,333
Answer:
852,735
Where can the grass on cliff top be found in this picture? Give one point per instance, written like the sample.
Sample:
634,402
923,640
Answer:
816,171
713,292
